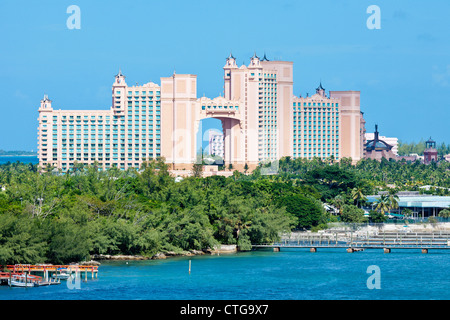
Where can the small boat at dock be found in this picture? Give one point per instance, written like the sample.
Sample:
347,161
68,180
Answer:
29,281
62,275
22,281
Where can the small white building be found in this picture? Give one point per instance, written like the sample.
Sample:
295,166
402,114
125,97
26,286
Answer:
216,144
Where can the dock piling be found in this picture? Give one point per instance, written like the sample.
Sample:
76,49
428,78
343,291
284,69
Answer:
348,239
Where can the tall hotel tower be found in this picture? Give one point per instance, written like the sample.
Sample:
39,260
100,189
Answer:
261,121
325,126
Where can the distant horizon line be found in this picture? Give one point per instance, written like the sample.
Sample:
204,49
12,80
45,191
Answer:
400,141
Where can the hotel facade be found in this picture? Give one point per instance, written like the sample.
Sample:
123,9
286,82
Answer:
261,120
216,146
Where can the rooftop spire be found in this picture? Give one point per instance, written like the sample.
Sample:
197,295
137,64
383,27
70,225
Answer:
119,79
320,90
120,73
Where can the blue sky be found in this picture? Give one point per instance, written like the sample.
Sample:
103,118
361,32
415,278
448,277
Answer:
402,69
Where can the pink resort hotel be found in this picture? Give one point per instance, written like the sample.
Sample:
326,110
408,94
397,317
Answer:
261,120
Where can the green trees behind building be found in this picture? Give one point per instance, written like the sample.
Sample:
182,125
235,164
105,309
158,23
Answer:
51,217
405,148
63,218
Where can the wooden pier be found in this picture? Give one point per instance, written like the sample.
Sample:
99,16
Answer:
357,241
46,271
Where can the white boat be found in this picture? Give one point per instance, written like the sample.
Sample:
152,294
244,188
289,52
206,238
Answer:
63,275
21,281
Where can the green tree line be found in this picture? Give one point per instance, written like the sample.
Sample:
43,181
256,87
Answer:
48,216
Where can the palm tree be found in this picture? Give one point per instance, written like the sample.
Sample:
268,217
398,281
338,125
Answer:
393,199
197,168
49,168
358,195
338,202
382,204
407,212
445,213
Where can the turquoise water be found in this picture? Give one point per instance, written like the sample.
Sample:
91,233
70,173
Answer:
292,274
24,159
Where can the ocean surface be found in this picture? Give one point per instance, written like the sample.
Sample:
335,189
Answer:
24,159
291,274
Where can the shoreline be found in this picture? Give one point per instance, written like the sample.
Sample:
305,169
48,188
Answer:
18,155
224,249
97,258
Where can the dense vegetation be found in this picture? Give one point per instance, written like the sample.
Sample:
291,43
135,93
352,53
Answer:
405,148
49,217
372,175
